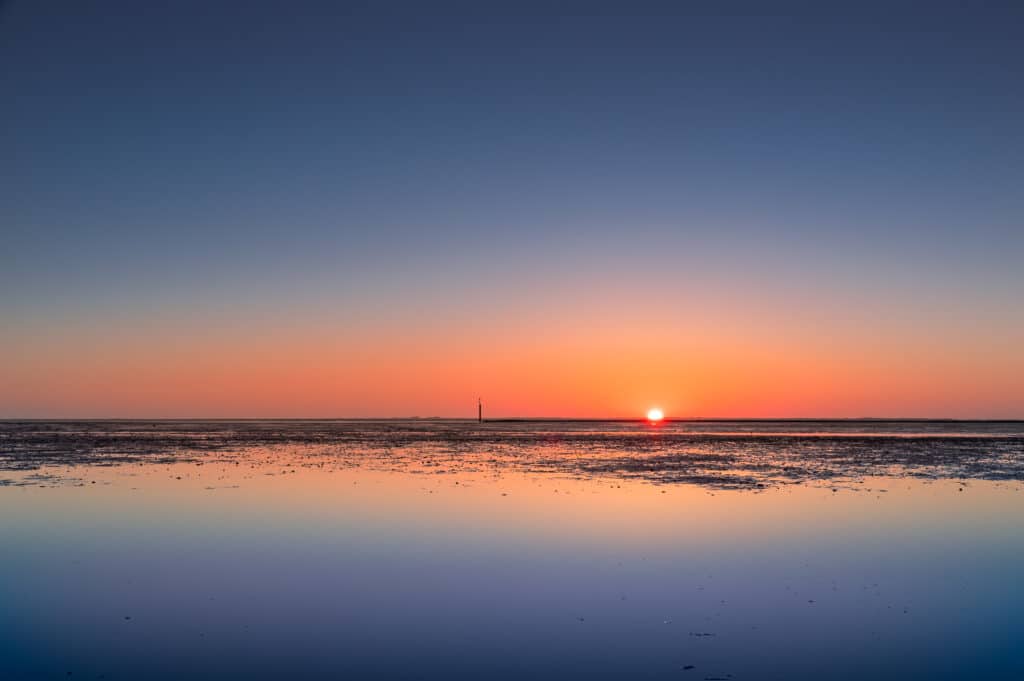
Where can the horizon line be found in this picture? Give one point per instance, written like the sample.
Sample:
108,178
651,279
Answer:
520,419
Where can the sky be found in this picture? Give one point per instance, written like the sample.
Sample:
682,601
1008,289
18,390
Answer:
344,209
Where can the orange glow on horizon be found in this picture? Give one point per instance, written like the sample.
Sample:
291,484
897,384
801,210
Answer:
533,363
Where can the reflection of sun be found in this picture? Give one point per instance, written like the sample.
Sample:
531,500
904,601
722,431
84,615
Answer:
655,415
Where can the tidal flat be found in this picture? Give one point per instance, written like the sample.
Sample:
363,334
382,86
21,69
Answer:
542,549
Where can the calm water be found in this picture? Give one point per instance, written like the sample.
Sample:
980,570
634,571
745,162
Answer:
439,549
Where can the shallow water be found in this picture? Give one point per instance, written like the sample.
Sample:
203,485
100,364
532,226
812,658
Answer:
438,549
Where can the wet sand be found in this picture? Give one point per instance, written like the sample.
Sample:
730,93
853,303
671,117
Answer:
740,455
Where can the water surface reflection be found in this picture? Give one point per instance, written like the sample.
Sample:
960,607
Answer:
220,552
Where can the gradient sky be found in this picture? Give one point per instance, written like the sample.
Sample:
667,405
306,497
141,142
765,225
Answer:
386,209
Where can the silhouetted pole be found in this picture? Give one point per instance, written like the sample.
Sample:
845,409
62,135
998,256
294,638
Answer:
479,410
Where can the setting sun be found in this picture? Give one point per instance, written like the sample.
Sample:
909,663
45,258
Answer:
655,415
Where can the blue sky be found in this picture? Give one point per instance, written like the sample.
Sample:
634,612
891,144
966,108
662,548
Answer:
269,157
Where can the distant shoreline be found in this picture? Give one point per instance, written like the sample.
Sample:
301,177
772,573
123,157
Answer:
508,419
